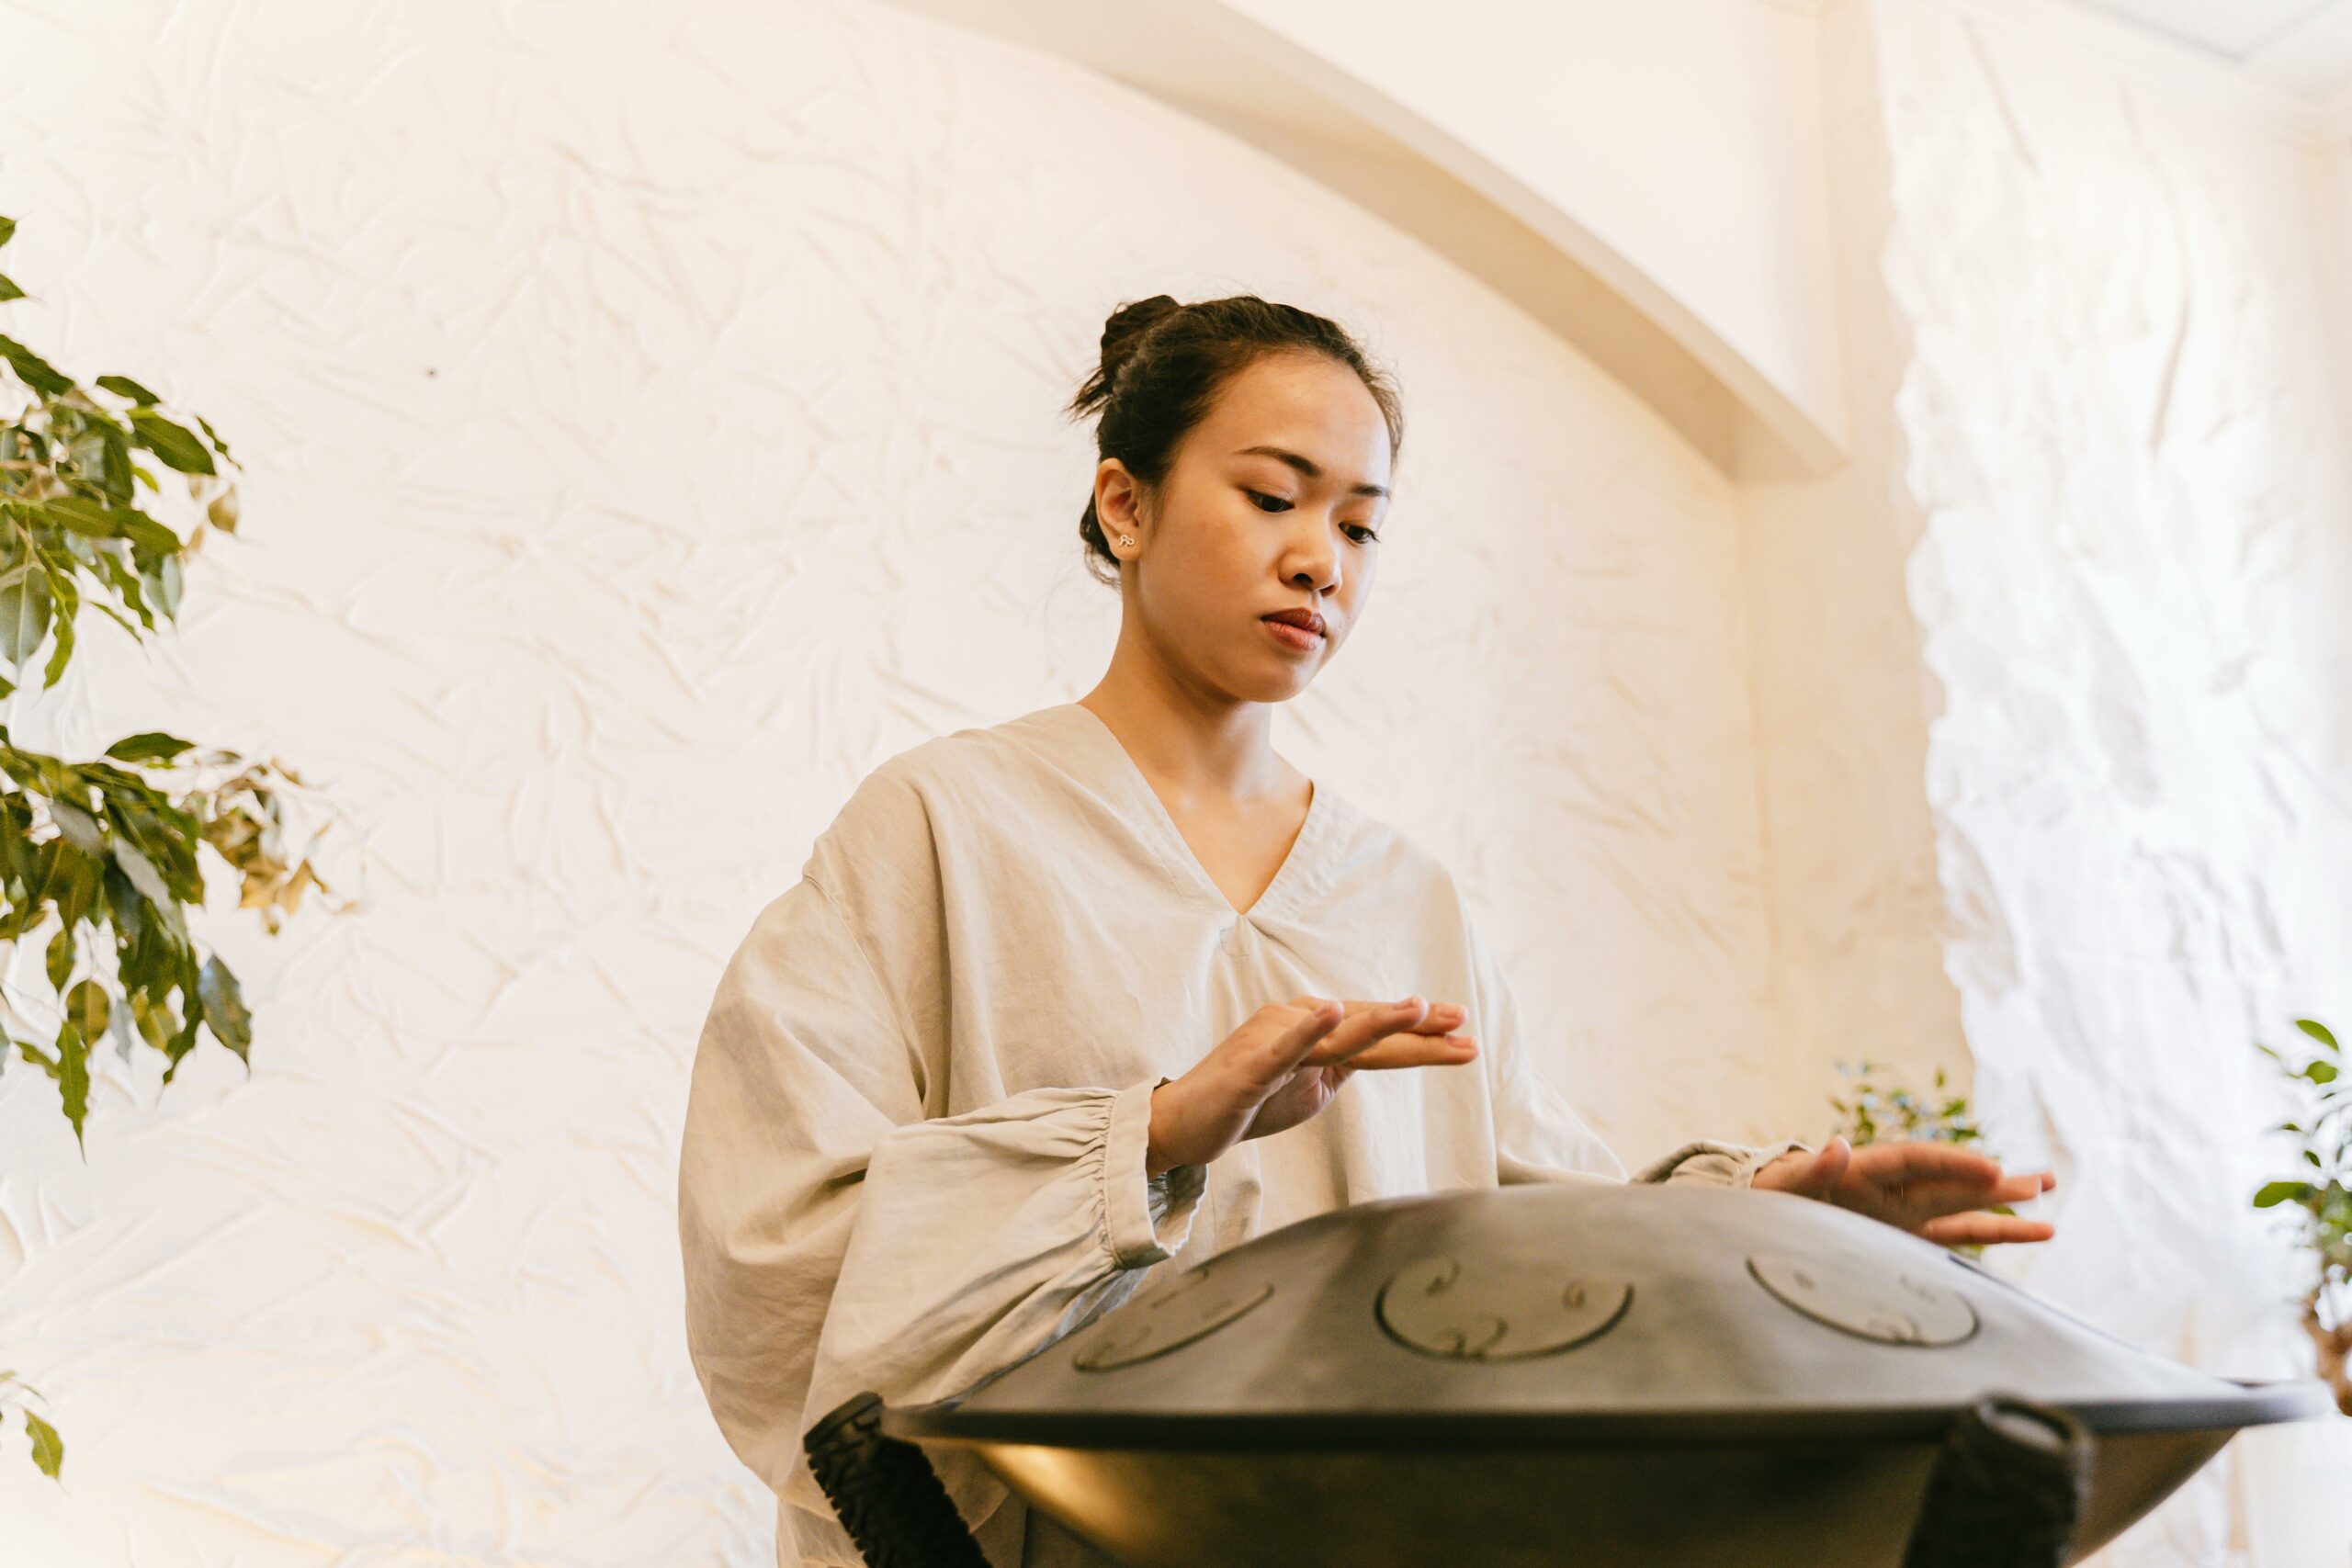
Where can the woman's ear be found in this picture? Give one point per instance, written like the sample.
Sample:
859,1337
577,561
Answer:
1118,499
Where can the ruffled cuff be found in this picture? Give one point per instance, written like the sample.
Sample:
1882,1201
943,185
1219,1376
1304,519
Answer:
1711,1163
1146,1218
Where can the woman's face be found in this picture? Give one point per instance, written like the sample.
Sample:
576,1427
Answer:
1274,502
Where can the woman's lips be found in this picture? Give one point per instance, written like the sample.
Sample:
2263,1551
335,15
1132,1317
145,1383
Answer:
1298,640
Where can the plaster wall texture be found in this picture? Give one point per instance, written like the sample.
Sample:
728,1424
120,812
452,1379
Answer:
2124,425
2332,174
649,418
1686,134
1841,701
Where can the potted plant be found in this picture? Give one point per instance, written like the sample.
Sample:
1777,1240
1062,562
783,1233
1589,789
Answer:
99,862
2321,1200
2298,1508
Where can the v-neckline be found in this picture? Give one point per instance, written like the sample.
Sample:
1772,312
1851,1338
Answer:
1177,849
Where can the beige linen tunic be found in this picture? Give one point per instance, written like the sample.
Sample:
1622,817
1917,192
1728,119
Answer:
914,1139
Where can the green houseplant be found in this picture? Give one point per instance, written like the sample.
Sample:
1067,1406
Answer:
98,859
2320,1198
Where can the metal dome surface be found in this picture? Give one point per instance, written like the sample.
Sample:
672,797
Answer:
1598,1372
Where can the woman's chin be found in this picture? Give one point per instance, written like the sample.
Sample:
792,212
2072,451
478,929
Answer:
1276,686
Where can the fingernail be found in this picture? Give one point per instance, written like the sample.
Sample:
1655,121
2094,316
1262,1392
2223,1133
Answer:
1407,1005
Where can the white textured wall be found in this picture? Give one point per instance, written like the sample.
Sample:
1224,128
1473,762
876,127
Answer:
649,414
2128,440
1686,134
2332,175
1842,706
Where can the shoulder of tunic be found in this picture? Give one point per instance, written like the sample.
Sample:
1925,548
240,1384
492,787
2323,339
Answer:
1383,858
887,828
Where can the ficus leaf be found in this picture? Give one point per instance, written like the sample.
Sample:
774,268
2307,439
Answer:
214,437
93,519
79,827
224,1008
148,746
2276,1192
73,1073
69,601
174,443
155,1023
60,958
149,537
115,468
126,584
142,872
2317,1030
125,1033
24,617
86,1006
9,290
49,1450
124,386
162,584
32,369
7,230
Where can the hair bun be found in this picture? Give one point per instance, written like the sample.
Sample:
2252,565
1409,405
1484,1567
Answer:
1127,327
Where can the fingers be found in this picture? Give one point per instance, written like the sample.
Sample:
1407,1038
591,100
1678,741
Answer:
1915,1160
1979,1229
1950,1196
1915,1164
1410,1050
1290,1049
1370,1023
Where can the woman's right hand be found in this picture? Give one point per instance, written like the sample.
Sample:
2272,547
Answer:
1287,1062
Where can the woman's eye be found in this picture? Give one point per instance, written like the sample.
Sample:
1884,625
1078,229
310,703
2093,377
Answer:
1265,502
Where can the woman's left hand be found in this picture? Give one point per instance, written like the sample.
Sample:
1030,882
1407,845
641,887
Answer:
1934,1189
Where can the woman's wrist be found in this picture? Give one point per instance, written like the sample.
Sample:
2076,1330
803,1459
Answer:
1155,1160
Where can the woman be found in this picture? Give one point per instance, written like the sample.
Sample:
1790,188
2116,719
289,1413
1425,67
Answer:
1058,1001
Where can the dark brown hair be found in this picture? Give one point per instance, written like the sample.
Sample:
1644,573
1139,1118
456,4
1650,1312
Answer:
1162,365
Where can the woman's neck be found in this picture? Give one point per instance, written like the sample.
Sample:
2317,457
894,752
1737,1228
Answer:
1197,750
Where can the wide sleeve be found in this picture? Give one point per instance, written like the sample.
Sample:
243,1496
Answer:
1539,1136
837,1241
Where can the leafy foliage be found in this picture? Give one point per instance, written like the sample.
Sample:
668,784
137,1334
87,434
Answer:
2321,1200
100,860
1878,1107
49,1448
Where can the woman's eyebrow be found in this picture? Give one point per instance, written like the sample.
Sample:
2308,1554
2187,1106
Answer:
1305,466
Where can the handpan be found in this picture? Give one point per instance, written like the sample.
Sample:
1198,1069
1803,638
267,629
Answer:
1609,1375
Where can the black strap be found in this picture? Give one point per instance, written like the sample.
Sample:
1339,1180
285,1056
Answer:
888,1498
2006,1491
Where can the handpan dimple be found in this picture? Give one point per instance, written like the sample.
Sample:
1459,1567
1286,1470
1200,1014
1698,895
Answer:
1496,1310
1893,1308
1194,1308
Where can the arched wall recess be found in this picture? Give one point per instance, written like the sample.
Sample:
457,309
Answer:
1232,71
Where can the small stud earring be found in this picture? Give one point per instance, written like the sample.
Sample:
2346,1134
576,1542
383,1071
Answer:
1126,540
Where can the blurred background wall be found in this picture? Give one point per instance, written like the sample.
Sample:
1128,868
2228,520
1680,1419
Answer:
649,422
